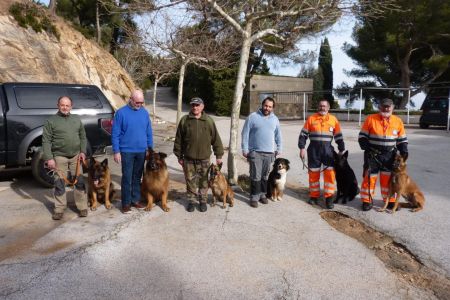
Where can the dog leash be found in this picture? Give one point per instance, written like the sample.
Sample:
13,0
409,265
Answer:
306,166
66,180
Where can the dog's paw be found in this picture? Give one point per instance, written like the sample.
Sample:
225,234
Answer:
93,208
381,209
148,208
108,206
279,198
166,209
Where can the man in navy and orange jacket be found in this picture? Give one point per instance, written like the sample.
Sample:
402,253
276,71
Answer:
321,128
381,135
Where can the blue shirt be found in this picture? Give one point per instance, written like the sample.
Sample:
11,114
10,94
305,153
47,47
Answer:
261,133
132,130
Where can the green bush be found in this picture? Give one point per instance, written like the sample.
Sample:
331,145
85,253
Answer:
31,15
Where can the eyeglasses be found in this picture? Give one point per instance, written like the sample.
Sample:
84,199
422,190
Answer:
194,104
138,102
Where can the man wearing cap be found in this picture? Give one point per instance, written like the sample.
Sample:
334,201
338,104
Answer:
381,135
196,134
261,143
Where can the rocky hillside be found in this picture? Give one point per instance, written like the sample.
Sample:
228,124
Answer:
28,56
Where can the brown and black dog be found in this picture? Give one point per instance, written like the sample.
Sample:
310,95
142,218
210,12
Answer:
219,186
402,185
155,185
100,186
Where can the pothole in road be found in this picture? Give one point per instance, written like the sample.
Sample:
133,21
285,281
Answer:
397,258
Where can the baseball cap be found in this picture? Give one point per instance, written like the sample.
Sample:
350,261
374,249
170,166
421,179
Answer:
386,102
196,100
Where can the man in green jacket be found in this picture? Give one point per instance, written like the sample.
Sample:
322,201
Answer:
196,133
64,144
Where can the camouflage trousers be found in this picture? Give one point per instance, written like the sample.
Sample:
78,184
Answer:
196,175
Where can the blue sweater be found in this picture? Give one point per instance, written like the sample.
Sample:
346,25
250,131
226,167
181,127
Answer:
132,130
261,133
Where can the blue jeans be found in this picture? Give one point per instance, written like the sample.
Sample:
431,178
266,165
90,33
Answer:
132,167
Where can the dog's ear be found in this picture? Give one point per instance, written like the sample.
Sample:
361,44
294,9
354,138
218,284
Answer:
346,154
91,162
335,154
162,155
287,161
220,166
404,156
105,162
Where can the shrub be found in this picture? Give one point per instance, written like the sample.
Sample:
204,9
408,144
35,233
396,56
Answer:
31,15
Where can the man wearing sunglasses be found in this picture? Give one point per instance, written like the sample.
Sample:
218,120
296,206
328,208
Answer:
196,134
131,137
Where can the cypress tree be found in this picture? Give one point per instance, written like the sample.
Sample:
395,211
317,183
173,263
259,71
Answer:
325,63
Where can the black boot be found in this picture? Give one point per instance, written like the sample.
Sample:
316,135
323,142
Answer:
366,206
203,207
312,201
329,202
190,207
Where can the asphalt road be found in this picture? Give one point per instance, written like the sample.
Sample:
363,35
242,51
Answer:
282,250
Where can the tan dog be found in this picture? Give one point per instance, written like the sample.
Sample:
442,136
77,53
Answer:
100,186
219,186
401,184
155,185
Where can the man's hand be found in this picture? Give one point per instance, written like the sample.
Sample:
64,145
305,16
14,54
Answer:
82,157
181,162
218,161
51,164
277,154
245,154
117,157
302,153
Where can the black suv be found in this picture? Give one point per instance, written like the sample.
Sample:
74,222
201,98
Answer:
25,107
435,108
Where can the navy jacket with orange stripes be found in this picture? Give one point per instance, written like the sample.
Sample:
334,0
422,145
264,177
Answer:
383,134
321,130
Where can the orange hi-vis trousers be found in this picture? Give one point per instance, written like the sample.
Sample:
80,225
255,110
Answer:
384,185
329,186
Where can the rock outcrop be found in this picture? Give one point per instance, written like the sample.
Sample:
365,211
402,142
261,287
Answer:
27,56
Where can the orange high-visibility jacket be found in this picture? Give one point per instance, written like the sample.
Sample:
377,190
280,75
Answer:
321,130
383,134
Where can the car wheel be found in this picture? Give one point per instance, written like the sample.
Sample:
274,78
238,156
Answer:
40,173
423,125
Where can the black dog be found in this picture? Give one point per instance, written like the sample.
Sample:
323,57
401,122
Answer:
277,179
347,185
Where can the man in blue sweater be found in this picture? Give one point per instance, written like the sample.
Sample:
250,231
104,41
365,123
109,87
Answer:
261,143
131,137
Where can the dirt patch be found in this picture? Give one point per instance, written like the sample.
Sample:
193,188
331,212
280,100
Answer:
395,256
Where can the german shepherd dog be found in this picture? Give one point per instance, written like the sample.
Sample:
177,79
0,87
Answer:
347,184
155,184
100,186
220,188
277,179
401,184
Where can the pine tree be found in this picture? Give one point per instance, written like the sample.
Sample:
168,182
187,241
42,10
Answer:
325,63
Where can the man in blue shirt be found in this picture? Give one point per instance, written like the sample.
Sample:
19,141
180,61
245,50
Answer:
131,137
261,143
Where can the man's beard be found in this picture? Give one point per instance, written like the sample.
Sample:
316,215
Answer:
385,114
266,112
322,113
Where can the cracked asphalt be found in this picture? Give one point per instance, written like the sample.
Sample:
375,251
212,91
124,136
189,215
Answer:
283,250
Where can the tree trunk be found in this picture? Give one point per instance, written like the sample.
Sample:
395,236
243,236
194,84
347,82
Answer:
405,82
97,23
180,88
238,92
52,7
155,85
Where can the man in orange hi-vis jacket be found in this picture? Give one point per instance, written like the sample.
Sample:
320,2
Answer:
381,135
321,128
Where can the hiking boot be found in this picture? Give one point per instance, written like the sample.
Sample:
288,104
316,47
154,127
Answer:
366,206
190,207
137,205
391,206
57,216
329,202
203,207
312,201
263,200
83,213
254,204
126,209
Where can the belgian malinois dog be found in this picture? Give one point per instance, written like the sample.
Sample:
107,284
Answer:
100,186
401,184
155,185
220,188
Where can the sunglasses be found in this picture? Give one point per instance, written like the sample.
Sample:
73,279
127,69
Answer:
194,104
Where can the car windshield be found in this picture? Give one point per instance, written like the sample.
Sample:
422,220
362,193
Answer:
440,103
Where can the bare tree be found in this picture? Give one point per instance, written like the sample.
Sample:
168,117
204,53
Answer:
284,21
52,6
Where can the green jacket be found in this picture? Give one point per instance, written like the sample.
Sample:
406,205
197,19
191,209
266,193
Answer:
195,137
63,136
